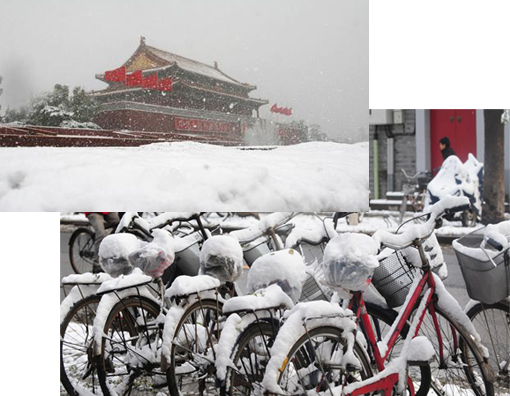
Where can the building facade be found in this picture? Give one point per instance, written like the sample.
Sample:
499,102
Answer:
202,98
392,148
414,145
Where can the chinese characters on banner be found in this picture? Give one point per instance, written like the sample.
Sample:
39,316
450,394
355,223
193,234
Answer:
190,124
137,79
281,110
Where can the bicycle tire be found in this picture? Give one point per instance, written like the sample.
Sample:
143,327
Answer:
254,374
124,366
302,355
492,322
202,370
463,364
81,250
76,369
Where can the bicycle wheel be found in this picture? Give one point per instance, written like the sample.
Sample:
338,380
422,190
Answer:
250,360
462,369
492,322
77,371
191,368
313,366
129,363
81,250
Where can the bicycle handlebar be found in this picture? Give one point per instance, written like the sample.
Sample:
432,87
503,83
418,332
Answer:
247,235
419,232
412,177
495,244
168,218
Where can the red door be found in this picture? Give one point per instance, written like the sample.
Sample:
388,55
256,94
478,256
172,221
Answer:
459,126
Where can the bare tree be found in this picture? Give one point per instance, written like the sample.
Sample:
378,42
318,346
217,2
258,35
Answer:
494,174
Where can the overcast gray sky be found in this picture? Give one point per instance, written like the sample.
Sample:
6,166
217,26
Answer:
308,55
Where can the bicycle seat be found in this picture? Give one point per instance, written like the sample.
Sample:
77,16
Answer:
272,297
134,279
284,267
185,285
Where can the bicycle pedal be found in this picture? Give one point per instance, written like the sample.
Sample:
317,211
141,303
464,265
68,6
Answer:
87,371
420,363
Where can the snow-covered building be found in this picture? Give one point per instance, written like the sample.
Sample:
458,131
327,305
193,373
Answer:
409,140
202,98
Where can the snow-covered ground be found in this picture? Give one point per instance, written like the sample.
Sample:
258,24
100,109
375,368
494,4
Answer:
315,176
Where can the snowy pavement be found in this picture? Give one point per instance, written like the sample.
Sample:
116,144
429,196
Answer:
314,176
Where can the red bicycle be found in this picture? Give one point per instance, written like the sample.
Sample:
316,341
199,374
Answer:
318,350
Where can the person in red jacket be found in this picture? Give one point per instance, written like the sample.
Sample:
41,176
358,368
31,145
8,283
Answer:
100,221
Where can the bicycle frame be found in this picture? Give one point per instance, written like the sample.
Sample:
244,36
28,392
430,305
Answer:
357,305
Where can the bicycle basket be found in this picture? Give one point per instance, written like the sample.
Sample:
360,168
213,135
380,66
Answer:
393,279
484,281
313,289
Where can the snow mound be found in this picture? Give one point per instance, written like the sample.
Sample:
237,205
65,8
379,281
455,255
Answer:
86,278
285,268
114,253
349,261
222,257
271,297
186,177
135,278
185,285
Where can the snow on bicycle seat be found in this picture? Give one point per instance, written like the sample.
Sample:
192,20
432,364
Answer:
312,236
134,279
272,297
285,268
86,279
185,285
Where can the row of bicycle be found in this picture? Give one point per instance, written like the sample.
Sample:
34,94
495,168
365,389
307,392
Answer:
134,334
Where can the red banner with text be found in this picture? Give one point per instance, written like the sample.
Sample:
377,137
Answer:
191,124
